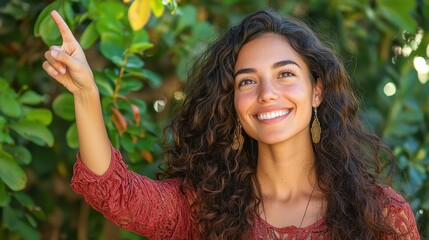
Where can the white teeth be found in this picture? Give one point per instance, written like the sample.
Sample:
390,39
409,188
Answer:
271,115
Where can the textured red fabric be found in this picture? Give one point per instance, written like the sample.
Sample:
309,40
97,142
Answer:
158,209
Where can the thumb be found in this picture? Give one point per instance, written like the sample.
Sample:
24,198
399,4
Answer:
70,62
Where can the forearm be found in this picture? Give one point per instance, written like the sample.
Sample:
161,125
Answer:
94,145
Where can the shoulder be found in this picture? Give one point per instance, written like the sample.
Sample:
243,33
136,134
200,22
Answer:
386,195
397,212
391,202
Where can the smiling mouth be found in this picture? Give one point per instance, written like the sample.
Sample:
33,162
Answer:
271,115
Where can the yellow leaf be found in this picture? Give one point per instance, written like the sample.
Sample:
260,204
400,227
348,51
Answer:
157,7
139,14
126,1
147,155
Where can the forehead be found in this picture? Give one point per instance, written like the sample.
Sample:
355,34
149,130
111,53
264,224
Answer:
265,50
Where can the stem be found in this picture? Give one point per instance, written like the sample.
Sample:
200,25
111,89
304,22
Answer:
119,79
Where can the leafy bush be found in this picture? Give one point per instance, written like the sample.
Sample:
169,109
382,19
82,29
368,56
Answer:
140,52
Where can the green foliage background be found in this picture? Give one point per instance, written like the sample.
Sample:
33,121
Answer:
137,70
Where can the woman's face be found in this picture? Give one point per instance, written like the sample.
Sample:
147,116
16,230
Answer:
273,92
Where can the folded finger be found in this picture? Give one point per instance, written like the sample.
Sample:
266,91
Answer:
56,65
49,69
64,58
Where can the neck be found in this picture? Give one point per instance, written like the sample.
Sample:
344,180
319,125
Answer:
285,170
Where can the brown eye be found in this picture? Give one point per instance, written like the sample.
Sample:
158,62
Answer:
286,74
245,82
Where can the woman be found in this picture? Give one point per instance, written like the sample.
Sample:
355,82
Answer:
267,145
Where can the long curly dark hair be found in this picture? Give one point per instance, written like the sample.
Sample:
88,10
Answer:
348,158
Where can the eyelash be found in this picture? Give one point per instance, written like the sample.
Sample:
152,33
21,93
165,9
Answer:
288,72
245,82
284,74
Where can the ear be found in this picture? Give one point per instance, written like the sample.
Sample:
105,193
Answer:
317,93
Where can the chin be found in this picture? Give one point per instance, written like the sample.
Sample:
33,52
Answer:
272,141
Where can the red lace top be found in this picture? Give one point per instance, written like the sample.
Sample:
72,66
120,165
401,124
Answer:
158,210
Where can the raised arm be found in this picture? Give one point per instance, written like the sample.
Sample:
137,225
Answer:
68,66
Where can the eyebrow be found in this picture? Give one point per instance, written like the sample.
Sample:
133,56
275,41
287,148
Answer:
275,65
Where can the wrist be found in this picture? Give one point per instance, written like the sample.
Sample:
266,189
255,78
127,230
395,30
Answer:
90,95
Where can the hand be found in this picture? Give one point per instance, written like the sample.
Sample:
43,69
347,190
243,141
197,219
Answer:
67,63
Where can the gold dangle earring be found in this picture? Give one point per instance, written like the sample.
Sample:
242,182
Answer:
315,128
237,143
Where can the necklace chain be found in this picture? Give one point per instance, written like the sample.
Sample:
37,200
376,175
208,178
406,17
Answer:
305,212
302,219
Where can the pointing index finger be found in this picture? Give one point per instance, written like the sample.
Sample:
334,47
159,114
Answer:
65,31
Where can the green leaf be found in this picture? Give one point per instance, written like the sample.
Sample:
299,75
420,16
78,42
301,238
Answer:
108,26
230,2
24,199
4,195
43,15
157,7
187,18
89,36
153,78
140,104
10,105
110,9
6,138
27,202
63,106
201,29
71,136
412,116
127,143
105,86
11,173
111,74
49,31
140,42
399,13
114,137
13,8
3,84
41,115
416,177
67,10
130,85
147,143
12,219
140,36
34,131
3,122
31,98
38,213
19,153
118,61
171,5
134,62
411,145
30,220
110,50
139,47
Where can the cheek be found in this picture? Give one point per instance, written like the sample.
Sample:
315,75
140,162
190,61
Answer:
241,104
299,92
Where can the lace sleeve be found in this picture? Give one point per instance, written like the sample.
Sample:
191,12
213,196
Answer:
155,209
399,215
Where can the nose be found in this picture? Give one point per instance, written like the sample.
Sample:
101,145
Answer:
267,91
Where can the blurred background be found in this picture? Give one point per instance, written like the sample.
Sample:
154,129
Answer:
140,52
